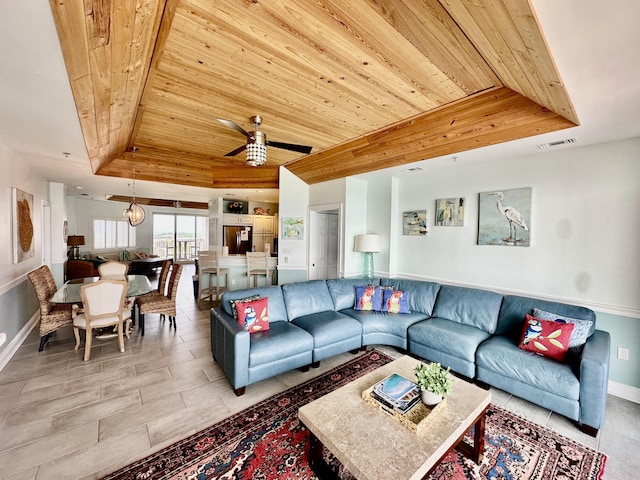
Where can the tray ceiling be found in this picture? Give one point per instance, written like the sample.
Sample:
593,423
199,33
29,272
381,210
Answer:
369,84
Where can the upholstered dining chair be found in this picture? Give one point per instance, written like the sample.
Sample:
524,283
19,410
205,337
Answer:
258,265
52,315
156,302
113,270
209,268
103,306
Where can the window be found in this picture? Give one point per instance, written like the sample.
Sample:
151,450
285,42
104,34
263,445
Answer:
109,234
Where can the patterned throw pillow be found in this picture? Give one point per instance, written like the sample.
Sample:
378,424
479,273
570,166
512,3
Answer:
234,310
368,298
254,315
581,328
546,337
395,301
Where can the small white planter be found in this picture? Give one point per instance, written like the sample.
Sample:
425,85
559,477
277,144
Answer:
430,399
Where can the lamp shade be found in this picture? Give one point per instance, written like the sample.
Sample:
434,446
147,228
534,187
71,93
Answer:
75,240
367,243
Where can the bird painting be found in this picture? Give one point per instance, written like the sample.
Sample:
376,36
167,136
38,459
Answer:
513,207
514,218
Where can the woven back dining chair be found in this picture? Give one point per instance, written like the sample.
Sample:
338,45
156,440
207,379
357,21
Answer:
159,303
52,315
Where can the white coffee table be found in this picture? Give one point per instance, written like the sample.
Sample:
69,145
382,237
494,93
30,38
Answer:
374,446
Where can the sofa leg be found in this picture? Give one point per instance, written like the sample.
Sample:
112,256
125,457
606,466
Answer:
589,430
482,385
239,391
355,351
315,364
305,368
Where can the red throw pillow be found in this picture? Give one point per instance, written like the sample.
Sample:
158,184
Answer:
254,315
545,337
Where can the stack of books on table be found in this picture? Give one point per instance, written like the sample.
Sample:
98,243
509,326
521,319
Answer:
397,392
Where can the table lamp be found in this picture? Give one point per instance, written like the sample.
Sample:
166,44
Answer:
367,244
74,241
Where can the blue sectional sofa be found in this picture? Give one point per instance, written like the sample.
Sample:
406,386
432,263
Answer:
475,332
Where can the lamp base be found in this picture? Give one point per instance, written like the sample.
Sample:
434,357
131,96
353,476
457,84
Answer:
367,264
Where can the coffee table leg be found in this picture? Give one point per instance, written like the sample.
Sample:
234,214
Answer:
478,439
317,463
476,452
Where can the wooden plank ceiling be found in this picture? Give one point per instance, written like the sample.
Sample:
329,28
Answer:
368,83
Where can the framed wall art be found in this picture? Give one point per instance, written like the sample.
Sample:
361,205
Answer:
293,228
449,212
504,217
22,223
414,223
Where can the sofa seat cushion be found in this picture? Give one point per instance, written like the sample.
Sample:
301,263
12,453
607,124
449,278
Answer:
282,340
382,322
453,338
329,327
501,354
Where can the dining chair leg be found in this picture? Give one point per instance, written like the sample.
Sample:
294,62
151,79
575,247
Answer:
43,341
141,324
76,332
87,344
120,339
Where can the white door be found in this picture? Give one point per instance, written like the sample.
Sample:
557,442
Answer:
323,245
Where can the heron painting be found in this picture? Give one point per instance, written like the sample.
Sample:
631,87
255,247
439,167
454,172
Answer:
450,212
504,217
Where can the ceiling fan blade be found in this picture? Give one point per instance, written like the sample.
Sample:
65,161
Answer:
236,127
235,152
290,146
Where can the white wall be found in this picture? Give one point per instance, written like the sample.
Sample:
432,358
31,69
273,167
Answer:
293,202
585,225
16,172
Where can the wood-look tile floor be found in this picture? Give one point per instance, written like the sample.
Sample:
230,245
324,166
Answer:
62,418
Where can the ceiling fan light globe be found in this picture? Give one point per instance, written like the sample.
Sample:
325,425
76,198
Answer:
256,154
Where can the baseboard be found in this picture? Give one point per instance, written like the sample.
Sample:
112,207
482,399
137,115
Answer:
624,391
12,347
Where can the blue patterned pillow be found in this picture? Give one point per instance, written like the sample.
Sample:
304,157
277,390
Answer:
368,298
581,328
395,301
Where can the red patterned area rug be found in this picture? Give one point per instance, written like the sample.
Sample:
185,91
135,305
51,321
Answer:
267,441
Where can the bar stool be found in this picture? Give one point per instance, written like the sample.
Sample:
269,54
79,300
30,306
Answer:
258,265
208,266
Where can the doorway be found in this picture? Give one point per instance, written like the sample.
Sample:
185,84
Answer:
180,237
325,242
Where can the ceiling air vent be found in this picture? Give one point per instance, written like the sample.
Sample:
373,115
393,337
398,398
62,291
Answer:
413,169
544,146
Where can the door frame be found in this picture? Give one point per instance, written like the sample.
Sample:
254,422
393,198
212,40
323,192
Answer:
324,208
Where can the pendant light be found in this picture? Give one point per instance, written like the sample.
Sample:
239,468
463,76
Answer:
135,213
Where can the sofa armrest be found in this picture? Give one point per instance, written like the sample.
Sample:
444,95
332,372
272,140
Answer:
230,347
594,378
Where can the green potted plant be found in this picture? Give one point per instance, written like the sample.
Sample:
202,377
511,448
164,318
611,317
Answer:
434,382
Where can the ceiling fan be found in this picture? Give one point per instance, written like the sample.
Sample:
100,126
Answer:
257,143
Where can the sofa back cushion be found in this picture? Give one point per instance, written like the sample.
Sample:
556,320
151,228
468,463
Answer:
422,295
514,309
342,290
305,298
469,306
277,309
